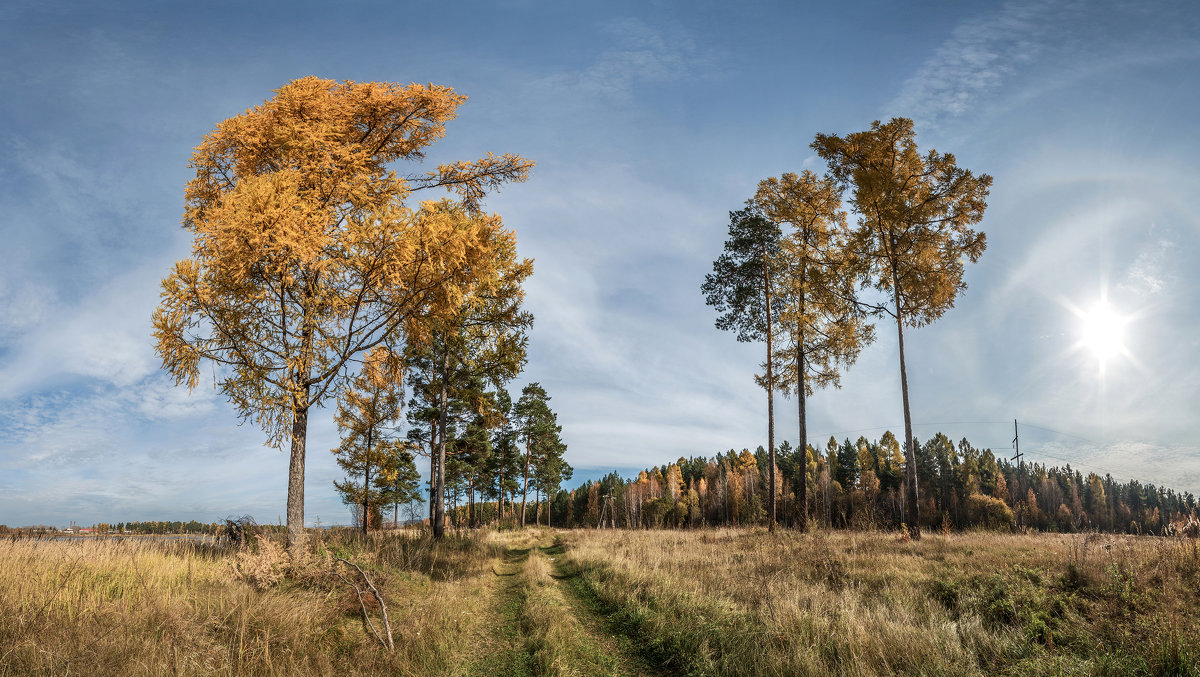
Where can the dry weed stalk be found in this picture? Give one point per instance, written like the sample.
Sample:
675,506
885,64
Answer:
387,625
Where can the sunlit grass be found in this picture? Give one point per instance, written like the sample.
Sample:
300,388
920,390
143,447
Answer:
737,602
691,602
145,608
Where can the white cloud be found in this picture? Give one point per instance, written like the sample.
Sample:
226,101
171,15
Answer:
975,61
23,305
640,53
158,398
1148,274
103,336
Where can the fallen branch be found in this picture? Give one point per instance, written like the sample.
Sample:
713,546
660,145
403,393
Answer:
387,625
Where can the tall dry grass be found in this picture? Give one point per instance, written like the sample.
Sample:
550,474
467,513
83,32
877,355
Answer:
702,602
138,607
739,602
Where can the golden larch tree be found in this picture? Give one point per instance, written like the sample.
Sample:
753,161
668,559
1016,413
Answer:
914,235
817,313
307,253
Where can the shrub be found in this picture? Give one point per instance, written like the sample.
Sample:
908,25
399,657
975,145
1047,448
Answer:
946,592
261,566
996,605
990,513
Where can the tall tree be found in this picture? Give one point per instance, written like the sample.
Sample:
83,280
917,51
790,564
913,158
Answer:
305,253
398,480
537,426
366,410
551,470
741,288
474,448
815,292
503,466
424,413
485,341
915,214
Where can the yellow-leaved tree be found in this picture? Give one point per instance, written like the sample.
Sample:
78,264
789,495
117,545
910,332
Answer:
913,238
817,311
307,253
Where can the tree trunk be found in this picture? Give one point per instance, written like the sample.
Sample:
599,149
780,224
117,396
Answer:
295,497
770,399
500,492
471,500
913,516
525,488
367,483
801,397
432,467
439,510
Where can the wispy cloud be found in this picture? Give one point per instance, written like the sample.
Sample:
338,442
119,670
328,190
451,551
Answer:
1148,275
104,335
976,60
639,54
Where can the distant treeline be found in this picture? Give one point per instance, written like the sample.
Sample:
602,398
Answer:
860,485
156,527
164,527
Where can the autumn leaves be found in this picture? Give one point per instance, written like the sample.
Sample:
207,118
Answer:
307,253
816,284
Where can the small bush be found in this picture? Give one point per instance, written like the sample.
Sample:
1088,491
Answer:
990,513
946,592
1074,579
1038,629
997,607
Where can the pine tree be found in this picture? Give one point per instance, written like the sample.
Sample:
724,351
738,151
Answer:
741,289
398,480
537,427
502,467
366,411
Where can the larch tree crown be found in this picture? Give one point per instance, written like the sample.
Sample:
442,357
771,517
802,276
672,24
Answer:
307,253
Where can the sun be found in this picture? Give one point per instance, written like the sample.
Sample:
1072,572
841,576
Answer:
1102,331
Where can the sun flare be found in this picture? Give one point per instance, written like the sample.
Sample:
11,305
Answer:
1103,331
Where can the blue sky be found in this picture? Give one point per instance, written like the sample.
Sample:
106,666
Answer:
649,122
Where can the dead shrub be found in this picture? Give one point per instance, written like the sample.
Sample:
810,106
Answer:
261,566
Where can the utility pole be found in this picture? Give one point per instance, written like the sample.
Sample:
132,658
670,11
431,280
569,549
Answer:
608,509
1016,445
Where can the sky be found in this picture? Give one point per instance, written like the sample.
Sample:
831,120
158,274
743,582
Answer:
649,122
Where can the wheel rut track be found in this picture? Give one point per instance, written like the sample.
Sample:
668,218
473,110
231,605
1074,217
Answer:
545,621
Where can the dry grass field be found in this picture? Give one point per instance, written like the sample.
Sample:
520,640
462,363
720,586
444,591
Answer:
608,602
736,602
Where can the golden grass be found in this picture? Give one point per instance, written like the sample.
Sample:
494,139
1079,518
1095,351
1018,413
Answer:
145,608
747,602
694,602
